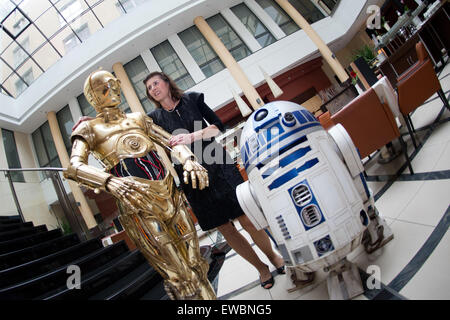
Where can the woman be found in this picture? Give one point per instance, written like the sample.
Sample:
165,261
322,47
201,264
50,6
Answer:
216,206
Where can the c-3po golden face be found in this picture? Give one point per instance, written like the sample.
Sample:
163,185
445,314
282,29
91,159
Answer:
153,212
102,90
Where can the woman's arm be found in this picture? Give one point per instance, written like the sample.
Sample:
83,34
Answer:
207,113
188,138
191,168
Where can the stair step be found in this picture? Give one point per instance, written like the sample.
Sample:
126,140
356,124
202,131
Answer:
5,222
37,251
45,264
52,280
98,279
28,241
132,286
20,233
156,293
15,226
6,218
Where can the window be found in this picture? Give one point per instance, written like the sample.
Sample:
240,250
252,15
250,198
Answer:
200,50
253,24
68,11
20,85
72,41
65,123
170,64
5,8
45,147
20,25
330,4
14,23
85,106
279,16
125,6
12,157
20,55
308,10
49,24
230,39
137,71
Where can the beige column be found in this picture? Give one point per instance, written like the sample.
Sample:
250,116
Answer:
127,88
85,210
323,48
136,106
231,64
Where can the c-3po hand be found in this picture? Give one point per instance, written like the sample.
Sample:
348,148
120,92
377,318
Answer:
131,192
192,169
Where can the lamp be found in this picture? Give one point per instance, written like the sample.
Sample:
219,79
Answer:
243,107
276,91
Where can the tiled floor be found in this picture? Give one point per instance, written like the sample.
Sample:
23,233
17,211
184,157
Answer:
415,264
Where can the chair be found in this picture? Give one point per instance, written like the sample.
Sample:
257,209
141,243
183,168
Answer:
416,85
370,123
325,120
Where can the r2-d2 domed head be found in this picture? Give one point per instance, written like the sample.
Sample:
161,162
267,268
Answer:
274,125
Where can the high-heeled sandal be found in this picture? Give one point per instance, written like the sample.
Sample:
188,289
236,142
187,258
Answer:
265,283
281,270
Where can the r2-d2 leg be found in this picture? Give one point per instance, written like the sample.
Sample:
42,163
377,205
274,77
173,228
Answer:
378,233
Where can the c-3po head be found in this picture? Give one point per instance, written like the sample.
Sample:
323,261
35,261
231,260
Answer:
102,90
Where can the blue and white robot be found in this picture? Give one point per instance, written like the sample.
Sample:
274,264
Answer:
307,186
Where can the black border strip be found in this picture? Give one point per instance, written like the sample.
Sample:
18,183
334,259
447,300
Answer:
421,176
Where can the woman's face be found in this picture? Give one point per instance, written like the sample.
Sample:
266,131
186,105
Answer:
157,88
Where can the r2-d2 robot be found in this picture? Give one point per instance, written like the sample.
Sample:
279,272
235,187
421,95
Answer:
307,186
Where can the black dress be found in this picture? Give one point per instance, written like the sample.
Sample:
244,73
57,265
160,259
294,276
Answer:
216,204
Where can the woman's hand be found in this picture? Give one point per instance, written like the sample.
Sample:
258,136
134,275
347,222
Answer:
184,138
83,118
198,174
188,138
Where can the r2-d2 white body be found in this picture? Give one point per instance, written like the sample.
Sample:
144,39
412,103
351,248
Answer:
305,184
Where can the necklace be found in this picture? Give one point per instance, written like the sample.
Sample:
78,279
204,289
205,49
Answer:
173,109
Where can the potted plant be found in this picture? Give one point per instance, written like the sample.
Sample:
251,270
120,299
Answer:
364,52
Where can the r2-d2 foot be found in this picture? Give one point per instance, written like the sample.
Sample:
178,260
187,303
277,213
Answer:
378,232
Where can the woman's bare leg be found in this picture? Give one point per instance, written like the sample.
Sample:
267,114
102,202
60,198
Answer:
262,240
242,247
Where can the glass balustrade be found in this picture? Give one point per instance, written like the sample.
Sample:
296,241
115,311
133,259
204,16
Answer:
43,197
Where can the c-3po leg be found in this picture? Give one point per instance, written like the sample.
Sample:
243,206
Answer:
187,242
154,240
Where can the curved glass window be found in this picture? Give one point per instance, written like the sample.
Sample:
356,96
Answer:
253,24
35,34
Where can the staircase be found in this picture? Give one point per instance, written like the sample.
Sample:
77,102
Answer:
34,264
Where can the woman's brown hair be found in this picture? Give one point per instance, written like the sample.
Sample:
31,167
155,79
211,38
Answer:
175,92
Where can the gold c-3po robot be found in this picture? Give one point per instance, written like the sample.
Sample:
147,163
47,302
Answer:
152,209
